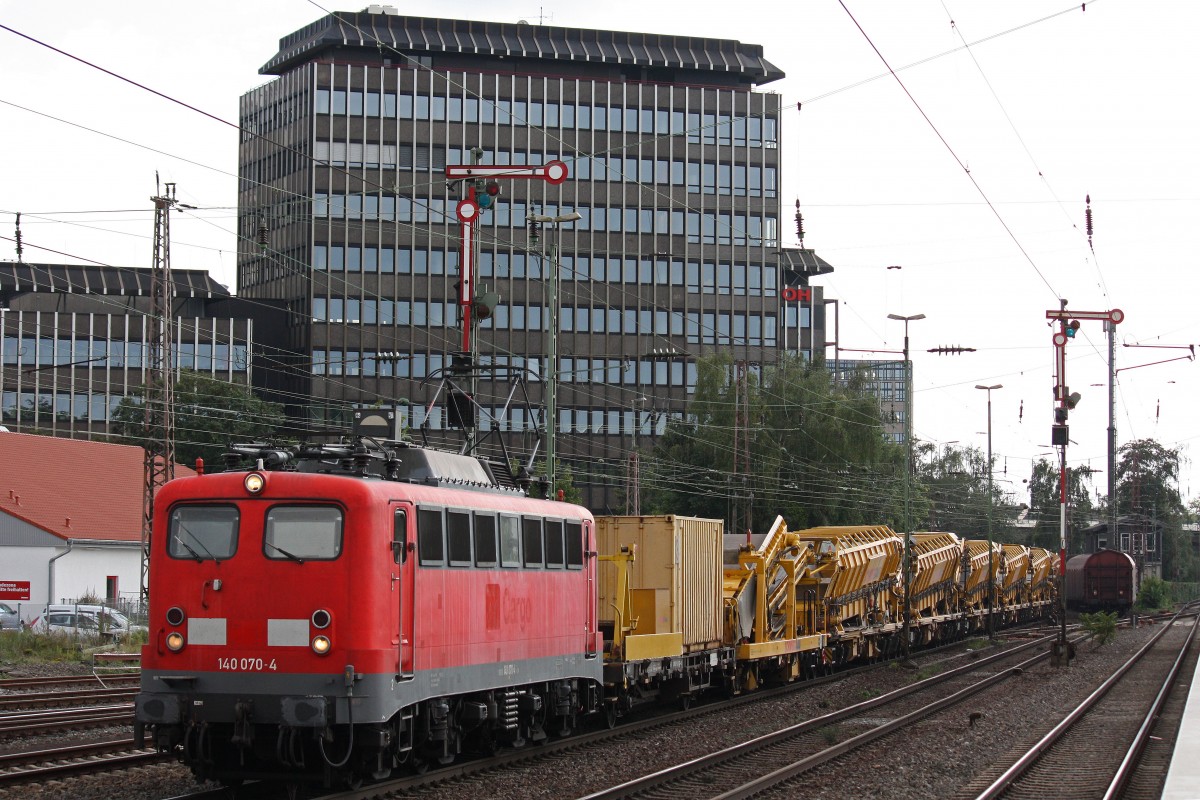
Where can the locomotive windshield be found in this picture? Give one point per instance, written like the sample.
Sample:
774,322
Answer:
203,532
302,533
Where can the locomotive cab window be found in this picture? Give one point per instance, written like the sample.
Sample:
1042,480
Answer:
574,545
458,538
510,541
531,541
430,542
303,533
485,540
203,532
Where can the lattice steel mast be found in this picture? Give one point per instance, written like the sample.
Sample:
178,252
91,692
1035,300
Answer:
158,403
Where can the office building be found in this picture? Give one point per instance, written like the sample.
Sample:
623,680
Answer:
674,164
76,340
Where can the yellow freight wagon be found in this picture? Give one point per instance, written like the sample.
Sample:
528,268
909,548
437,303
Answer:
852,587
1014,575
1041,575
937,566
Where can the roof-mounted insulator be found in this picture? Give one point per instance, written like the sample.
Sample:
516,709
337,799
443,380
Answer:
1087,217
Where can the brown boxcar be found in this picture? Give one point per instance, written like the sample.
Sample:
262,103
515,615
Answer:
1102,580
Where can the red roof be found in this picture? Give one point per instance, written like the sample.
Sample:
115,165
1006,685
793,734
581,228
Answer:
73,488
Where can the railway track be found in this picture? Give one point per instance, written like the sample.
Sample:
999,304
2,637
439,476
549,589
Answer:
24,723
58,762
30,700
1094,751
554,751
12,684
776,759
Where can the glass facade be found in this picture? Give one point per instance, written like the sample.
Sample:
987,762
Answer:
673,167
65,373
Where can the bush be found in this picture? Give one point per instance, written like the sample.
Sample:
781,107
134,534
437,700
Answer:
1154,594
1102,626
35,647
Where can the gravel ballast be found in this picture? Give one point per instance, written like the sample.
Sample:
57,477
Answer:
935,760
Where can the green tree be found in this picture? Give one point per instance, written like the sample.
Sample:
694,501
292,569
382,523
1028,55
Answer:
1148,487
955,480
208,415
816,451
1045,507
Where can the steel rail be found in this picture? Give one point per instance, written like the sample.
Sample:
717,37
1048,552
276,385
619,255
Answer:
648,781
1128,764
1010,775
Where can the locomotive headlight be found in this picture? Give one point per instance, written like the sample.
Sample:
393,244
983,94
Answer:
174,641
254,483
321,619
321,645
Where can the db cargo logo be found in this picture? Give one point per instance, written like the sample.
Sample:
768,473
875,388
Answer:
14,590
797,294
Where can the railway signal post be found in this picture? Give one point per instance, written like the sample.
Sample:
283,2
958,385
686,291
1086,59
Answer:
1065,400
482,190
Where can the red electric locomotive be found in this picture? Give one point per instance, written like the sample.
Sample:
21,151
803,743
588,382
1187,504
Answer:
337,611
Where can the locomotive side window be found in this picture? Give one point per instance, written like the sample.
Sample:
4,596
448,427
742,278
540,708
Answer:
430,545
531,529
574,545
458,538
203,532
510,541
303,533
485,540
554,544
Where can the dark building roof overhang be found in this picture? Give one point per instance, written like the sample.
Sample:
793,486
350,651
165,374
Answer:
19,277
799,264
424,35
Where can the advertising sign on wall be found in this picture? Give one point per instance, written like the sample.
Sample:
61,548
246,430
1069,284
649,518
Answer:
14,590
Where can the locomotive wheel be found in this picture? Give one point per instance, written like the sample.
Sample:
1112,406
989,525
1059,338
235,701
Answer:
610,715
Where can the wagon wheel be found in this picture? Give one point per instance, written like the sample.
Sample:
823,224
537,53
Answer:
610,715
685,702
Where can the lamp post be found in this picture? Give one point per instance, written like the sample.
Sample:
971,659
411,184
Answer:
552,356
906,567
991,592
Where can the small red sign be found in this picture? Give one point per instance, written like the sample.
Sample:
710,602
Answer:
14,590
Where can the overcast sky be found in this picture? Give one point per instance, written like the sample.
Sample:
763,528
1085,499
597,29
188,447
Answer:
970,177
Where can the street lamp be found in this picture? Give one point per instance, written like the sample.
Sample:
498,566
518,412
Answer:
552,356
906,568
991,624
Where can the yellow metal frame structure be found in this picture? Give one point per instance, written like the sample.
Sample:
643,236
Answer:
775,570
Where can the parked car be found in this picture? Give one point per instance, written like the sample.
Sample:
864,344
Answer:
77,624
109,621
10,620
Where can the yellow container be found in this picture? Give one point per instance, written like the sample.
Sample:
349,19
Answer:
675,580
